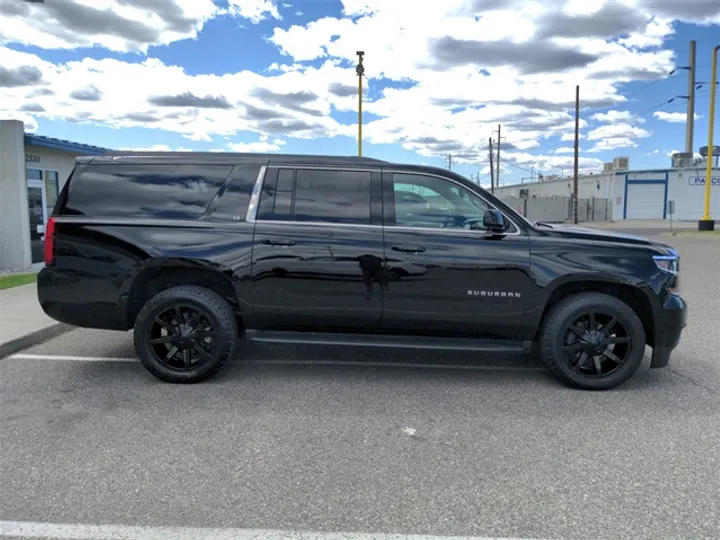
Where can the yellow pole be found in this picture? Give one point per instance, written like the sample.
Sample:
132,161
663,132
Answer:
360,115
360,70
711,122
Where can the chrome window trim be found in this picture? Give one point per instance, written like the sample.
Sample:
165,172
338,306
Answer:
251,213
518,230
319,223
251,216
440,231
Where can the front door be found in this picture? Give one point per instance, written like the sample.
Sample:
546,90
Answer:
38,218
317,250
446,274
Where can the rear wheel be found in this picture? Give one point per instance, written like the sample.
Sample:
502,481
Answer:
592,341
185,334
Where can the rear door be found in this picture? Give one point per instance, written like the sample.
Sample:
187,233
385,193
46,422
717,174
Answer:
317,250
446,274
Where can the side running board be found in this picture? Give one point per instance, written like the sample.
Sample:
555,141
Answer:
389,341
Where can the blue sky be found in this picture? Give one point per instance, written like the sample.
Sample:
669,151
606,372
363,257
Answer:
266,75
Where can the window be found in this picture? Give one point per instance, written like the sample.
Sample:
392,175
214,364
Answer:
165,191
431,202
51,190
316,196
233,203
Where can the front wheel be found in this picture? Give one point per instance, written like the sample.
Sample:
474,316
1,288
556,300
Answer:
185,334
592,341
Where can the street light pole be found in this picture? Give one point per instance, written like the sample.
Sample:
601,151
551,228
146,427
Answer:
706,223
360,70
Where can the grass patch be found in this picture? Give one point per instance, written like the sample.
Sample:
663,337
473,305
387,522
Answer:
15,280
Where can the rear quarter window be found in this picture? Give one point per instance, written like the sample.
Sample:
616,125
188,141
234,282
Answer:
233,202
162,191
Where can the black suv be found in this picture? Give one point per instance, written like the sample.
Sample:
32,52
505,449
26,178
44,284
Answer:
193,250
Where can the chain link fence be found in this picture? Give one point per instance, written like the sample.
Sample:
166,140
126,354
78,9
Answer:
559,209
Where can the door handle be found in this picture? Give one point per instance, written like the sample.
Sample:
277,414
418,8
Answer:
408,249
278,243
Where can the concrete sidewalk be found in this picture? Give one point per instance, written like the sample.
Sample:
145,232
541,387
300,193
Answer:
22,321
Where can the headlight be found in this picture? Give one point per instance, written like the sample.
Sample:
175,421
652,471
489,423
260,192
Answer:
668,263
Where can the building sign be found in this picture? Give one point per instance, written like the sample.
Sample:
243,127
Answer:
32,158
700,180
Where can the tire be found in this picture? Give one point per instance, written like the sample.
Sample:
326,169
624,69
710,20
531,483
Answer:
207,331
617,332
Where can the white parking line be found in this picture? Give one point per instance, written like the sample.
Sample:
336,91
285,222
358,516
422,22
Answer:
66,358
63,358
53,531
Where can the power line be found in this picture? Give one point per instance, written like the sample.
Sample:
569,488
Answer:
665,78
516,166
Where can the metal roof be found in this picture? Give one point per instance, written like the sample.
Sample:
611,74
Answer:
42,141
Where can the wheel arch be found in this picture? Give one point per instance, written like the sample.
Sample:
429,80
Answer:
631,294
160,274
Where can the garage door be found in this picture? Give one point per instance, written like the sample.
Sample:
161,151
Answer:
645,201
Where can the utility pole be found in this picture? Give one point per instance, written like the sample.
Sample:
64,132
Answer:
497,175
492,174
360,70
577,151
449,162
690,124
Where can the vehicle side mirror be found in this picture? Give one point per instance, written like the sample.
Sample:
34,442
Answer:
493,220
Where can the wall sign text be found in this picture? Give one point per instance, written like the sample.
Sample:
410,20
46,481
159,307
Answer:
32,158
700,180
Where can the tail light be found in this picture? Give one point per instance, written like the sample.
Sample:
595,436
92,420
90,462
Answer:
50,242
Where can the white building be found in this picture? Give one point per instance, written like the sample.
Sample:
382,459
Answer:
635,194
33,170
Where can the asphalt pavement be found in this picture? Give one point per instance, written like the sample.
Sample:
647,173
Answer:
366,441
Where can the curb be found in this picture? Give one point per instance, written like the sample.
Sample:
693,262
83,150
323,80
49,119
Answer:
33,338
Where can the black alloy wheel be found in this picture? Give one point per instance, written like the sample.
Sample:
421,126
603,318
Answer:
182,337
596,344
185,334
592,341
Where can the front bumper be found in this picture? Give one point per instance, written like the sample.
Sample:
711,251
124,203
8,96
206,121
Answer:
669,323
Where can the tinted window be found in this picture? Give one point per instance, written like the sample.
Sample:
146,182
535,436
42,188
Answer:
234,201
317,195
431,202
170,191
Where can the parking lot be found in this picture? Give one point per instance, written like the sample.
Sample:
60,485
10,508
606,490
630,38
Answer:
366,441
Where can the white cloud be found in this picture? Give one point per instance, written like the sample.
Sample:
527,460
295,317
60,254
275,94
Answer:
654,34
564,150
452,95
156,148
614,136
616,116
259,146
571,136
113,24
617,131
613,143
674,118
254,10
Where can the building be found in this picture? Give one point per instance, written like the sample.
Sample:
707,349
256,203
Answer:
634,194
33,170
